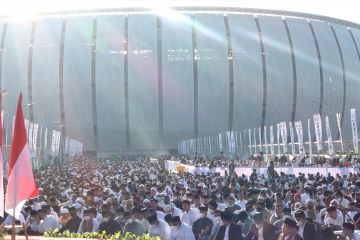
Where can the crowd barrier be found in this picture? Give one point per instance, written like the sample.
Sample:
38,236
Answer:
171,166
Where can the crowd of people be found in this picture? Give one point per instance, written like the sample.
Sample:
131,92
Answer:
90,195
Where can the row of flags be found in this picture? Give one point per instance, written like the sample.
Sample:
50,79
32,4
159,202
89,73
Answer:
255,140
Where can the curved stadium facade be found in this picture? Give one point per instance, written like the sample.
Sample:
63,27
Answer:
129,79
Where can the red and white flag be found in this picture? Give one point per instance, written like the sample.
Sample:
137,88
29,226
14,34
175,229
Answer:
2,198
21,182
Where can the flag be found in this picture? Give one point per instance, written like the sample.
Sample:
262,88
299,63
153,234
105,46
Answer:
1,167
21,182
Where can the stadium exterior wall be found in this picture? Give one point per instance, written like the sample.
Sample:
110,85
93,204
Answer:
132,80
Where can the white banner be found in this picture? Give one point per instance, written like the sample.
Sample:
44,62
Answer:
292,138
53,143
265,140
46,138
310,141
30,137
249,131
34,136
318,131
260,143
330,140
300,136
278,137
338,120
272,150
220,142
255,147
354,131
283,131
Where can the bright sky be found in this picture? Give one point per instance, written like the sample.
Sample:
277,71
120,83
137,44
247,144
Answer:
343,9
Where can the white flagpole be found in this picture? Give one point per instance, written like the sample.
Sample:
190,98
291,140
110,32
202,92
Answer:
310,141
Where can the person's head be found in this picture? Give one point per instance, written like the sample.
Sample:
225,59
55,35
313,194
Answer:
300,217
128,217
212,206
327,232
88,215
297,197
169,209
226,217
203,210
278,209
166,200
186,205
153,220
339,195
258,218
289,226
260,206
64,212
231,201
167,219
107,216
154,203
242,216
72,212
310,204
196,200
42,214
334,203
175,221
33,214
348,230
332,212
93,212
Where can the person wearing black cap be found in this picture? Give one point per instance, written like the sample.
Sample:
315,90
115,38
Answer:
245,222
180,230
73,224
289,230
262,230
307,229
229,230
109,225
203,225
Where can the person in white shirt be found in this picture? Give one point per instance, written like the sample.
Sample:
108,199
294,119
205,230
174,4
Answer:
88,224
241,201
342,201
46,222
189,215
158,228
180,230
334,217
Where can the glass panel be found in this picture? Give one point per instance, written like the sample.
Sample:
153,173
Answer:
77,80
352,71
46,50
178,83
15,67
213,74
333,81
278,69
307,69
143,83
110,96
248,77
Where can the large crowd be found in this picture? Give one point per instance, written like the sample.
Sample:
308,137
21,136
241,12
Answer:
139,196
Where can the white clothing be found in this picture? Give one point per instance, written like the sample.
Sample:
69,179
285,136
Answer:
226,235
241,203
162,230
337,221
48,223
189,218
183,232
95,226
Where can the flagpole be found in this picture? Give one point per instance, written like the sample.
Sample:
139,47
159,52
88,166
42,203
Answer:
13,231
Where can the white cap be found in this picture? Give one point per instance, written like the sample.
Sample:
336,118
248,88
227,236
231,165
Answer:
77,206
167,208
334,201
96,199
64,210
146,201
